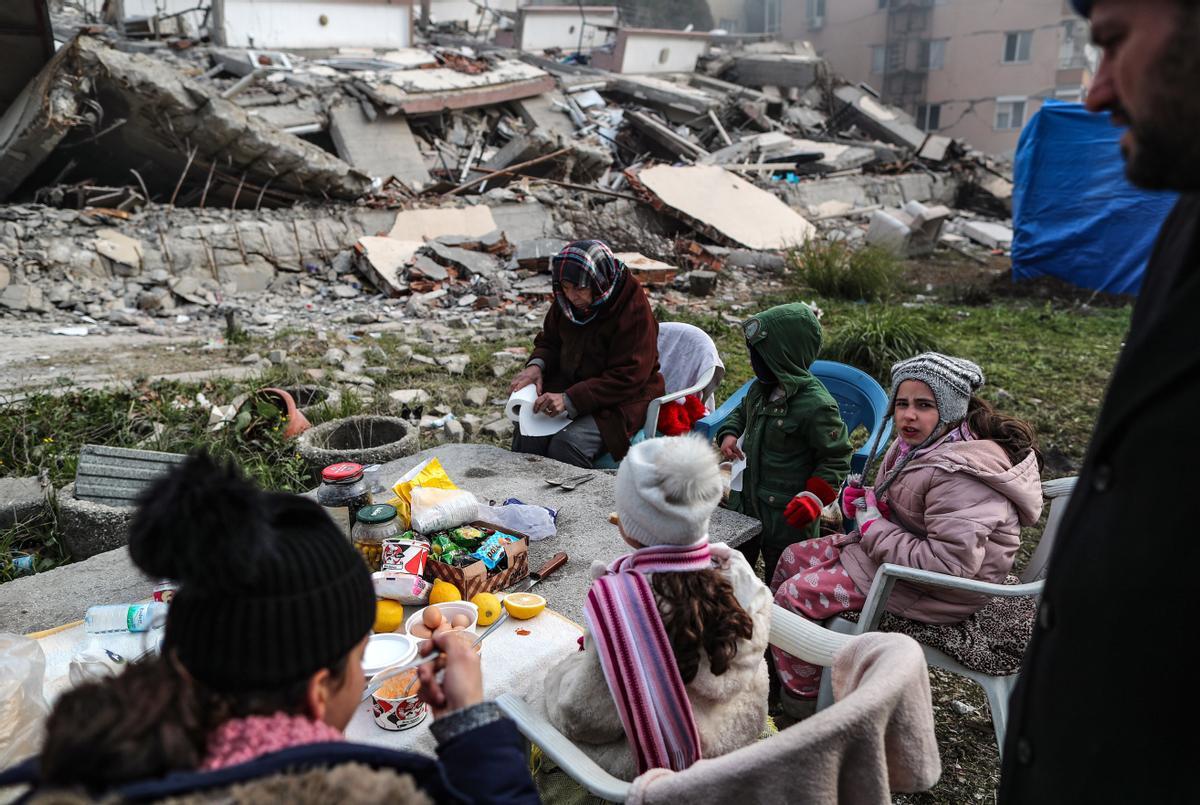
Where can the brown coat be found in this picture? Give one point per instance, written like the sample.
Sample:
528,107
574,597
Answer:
608,366
958,509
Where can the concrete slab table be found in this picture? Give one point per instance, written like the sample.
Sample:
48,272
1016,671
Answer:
492,473
63,594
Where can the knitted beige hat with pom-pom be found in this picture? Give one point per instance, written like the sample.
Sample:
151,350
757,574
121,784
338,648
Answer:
667,489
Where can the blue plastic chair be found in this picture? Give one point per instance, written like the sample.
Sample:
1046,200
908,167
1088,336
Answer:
861,401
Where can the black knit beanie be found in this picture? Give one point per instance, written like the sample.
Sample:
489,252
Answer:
270,590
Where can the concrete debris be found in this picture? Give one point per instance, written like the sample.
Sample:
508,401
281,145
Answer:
723,206
911,232
647,270
161,173
992,235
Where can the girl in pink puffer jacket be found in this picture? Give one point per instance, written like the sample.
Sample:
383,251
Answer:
951,496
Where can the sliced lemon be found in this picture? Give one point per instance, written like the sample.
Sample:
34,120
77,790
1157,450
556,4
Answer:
524,606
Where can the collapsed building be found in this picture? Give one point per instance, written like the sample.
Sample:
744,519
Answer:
176,162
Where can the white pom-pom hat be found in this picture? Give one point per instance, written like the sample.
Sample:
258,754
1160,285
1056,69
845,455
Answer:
667,489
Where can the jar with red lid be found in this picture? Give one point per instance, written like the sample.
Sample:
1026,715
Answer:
343,491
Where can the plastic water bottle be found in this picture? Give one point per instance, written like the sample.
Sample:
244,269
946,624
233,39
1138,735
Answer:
113,618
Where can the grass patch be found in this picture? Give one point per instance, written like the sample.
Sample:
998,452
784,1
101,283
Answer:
876,339
837,271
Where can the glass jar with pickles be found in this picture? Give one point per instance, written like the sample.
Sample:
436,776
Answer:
373,524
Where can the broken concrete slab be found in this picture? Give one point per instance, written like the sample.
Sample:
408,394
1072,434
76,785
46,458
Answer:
878,119
440,88
178,124
62,595
38,119
678,101
724,206
785,70
380,148
910,232
22,297
119,248
534,255
468,263
992,235
427,224
647,270
382,261
548,113
429,268
675,143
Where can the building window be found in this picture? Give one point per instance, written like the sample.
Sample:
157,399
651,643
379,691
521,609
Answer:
816,14
933,54
1010,114
1016,46
929,116
771,16
730,25
878,59
882,5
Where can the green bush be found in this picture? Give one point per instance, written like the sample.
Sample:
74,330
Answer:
835,270
876,339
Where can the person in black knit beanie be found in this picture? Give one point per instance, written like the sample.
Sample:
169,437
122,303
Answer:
261,670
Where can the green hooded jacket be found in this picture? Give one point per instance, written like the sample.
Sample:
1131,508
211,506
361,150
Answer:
792,438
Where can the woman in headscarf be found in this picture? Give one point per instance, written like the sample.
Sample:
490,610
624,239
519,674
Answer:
596,357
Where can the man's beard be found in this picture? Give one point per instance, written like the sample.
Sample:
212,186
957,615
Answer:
1166,151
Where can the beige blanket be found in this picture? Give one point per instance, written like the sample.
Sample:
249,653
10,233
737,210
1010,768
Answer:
877,738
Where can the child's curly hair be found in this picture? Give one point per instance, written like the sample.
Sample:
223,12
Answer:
700,611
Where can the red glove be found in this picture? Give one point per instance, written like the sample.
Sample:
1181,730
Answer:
673,420
805,508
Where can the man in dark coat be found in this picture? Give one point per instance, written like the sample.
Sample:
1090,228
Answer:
1106,700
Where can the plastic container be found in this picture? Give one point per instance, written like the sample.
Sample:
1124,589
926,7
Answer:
387,649
449,610
396,712
374,524
120,618
343,491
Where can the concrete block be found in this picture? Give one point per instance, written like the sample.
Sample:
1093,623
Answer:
994,236
87,528
62,595
21,500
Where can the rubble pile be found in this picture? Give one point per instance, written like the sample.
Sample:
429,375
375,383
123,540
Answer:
149,177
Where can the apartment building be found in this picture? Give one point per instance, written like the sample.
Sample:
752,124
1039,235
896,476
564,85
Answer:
974,69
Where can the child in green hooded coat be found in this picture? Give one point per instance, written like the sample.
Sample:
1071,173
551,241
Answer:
795,443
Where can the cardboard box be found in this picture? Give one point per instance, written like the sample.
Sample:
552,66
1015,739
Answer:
474,578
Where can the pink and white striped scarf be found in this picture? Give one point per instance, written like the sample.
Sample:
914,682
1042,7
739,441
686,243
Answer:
637,658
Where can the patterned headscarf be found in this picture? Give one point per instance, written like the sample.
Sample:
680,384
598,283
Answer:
587,263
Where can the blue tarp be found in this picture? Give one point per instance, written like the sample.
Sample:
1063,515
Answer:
1075,215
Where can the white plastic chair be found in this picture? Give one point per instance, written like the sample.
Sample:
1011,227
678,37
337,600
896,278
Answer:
789,631
690,364
997,688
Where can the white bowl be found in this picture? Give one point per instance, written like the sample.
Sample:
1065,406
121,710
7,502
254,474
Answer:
389,648
449,610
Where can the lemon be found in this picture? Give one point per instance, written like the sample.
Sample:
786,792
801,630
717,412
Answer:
489,608
444,591
389,615
524,606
